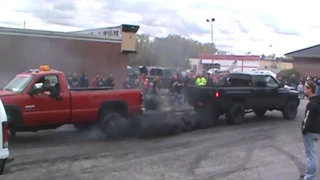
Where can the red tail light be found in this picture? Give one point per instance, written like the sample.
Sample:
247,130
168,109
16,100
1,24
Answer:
5,134
217,94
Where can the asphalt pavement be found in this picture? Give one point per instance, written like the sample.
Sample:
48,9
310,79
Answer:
259,149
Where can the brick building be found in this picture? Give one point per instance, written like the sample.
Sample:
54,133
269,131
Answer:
306,60
23,49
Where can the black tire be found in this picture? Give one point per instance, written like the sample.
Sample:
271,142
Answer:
207,117
113,124
259,112
236,114
290,110
2,165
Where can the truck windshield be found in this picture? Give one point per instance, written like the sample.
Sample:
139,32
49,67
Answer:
19,83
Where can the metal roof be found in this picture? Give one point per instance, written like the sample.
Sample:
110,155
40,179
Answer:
95,29
311,52
54,34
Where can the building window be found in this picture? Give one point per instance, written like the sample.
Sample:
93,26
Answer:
115,33
105,33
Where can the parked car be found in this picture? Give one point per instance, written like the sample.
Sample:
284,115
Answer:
4,139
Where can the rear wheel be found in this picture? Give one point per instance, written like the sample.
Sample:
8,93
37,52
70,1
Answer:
290,110
259,112
113,124
236,114
2,164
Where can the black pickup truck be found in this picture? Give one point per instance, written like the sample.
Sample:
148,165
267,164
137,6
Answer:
241,93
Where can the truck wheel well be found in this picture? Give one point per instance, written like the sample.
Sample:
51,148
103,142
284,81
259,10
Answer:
14,114
120,107
292,98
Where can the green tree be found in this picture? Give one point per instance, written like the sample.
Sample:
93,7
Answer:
286,74
170,51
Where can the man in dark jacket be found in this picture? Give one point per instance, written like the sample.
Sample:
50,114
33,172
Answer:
75,81
69,78
310,129
48,90
126,84
110,82
84,82
317,81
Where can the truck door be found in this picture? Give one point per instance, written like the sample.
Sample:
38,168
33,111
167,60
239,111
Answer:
273,95
42,109
260,91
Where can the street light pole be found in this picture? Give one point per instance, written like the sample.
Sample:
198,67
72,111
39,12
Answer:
211,21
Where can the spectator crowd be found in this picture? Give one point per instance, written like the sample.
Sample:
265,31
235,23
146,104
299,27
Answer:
75,81
179,83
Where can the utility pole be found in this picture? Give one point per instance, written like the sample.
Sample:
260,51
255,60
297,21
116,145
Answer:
24,24
211,22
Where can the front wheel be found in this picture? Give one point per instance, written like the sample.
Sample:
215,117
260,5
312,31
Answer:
2,165
290,110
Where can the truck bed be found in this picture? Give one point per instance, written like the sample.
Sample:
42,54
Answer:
84,103
214,93
90,89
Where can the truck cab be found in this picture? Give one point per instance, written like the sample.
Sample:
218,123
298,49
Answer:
40,99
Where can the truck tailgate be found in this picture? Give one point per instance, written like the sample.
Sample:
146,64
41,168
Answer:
204,94
216,93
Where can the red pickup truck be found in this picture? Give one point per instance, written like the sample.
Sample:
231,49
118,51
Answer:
41,99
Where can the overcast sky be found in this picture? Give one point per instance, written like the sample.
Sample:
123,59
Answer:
241,25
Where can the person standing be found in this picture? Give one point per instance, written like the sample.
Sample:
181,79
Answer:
69,78
95,80
187,82
201,80
317,81
84,82
126,84
75,81
110,82
300,90
310,130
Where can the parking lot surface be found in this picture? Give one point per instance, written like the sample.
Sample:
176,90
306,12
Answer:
259,149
